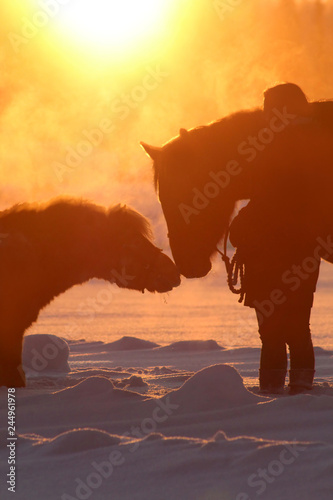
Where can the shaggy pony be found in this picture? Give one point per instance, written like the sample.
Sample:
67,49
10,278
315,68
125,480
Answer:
47,249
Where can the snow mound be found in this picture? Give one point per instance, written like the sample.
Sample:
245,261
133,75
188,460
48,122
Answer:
193,345
162,370
45,354
213,388
130,344
76,441
95,390
91,386
99,372
133,381
320,351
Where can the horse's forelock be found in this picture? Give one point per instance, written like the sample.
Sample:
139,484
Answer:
168,153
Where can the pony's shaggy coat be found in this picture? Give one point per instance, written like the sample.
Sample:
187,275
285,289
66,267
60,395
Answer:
46,249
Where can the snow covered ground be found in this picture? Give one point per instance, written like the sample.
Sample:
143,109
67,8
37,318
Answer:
156,398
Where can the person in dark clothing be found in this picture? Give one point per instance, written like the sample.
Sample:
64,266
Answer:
282,299
281,263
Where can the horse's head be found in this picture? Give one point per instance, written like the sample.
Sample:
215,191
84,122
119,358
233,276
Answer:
140,264
195,212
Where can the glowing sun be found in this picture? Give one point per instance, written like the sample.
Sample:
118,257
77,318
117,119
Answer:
113,23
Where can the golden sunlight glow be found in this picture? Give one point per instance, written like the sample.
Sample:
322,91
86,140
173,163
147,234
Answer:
115,24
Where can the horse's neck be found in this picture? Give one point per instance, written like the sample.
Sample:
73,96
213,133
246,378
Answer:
235,182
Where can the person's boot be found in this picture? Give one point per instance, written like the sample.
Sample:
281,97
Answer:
300,380
271,380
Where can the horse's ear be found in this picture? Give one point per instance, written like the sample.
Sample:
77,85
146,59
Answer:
152,151
183,132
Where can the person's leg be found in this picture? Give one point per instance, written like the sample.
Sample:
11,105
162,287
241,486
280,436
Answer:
302,359
301,351
273,359
273,353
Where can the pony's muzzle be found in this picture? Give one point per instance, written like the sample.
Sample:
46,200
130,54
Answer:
164,275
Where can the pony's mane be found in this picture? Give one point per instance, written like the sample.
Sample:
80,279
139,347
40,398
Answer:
124,215
24,212
75,209
233,127
56,203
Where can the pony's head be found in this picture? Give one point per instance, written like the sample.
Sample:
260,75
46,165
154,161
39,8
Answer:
140,265
195,213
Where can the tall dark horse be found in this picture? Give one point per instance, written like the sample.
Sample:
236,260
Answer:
282,162
202,173
47,249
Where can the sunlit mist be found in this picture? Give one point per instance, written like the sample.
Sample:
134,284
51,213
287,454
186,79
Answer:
84,81
105,23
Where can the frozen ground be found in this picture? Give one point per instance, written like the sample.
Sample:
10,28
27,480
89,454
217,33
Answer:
158,400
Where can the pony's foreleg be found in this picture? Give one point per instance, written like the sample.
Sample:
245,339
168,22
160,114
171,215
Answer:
11,371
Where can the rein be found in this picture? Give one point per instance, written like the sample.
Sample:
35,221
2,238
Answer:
235,268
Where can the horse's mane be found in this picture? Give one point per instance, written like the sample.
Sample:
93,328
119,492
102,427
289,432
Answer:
69,211
223,133
234,124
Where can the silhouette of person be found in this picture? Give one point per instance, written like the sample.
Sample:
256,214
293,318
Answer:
275,245
287,95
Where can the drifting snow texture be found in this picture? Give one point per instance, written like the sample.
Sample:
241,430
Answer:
161,468
210,439
45,354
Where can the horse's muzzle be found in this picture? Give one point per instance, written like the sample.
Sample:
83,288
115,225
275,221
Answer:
194,269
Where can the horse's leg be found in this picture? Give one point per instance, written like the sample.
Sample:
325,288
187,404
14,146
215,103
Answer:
11,371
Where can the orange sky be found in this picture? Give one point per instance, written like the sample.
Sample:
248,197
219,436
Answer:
73,113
